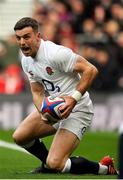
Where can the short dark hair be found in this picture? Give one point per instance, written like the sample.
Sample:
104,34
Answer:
26,22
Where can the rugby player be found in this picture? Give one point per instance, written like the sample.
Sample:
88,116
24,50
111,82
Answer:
57,71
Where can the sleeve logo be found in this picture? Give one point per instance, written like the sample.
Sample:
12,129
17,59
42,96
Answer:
49,70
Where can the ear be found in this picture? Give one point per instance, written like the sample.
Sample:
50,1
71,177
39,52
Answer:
39,35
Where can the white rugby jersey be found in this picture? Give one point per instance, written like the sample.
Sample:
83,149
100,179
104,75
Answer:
53,67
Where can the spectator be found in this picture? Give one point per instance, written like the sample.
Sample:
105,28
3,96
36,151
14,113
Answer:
3,52
120,59
39,12
107,78
14,83
74,23
78,13
12,51
70,43
49,31
100,57
111,28
99,15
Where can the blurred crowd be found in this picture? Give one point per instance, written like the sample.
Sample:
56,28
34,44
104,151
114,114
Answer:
92,28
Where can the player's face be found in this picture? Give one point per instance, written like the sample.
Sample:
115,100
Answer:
28,41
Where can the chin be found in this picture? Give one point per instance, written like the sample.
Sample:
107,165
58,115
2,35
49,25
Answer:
27,54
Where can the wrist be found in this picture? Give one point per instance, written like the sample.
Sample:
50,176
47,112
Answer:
76,95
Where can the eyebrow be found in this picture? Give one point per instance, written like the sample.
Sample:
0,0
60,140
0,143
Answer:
23,35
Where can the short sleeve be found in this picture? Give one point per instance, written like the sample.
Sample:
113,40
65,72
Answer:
24,67
65,59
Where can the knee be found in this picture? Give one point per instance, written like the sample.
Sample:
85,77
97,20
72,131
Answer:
55,163
17,138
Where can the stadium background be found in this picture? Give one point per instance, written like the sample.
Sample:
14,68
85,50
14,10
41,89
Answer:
94,29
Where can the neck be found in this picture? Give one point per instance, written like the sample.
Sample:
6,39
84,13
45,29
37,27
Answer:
35,54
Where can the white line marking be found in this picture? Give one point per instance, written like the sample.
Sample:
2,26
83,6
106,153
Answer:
12,146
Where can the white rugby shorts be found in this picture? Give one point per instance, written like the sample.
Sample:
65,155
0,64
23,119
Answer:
77,123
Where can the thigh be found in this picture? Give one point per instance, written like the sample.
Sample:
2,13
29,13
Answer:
33,127
63,145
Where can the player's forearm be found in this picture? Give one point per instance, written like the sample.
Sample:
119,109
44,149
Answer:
37,100
87,71
37,94
87,78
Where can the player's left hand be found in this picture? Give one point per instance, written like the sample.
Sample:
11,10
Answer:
67,108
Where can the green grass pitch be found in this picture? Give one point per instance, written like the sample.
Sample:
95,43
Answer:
95,145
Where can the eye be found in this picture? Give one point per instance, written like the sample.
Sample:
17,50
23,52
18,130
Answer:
18,38
26,37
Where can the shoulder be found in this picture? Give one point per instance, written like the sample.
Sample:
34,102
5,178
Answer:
56,52
47,51
53,49
50,44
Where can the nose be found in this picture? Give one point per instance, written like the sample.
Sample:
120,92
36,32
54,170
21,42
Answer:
22,42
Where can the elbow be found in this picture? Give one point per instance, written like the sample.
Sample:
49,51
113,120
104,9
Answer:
95,71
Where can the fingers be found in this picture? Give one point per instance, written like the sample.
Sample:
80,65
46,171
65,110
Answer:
66,109
65,112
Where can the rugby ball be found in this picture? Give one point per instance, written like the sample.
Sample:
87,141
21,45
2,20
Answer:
50,109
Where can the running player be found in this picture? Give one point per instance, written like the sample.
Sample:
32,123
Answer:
58,71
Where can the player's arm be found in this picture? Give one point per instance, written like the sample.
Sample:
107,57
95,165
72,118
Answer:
88,72
37,90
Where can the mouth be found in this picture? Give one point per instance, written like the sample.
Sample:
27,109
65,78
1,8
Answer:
25,50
